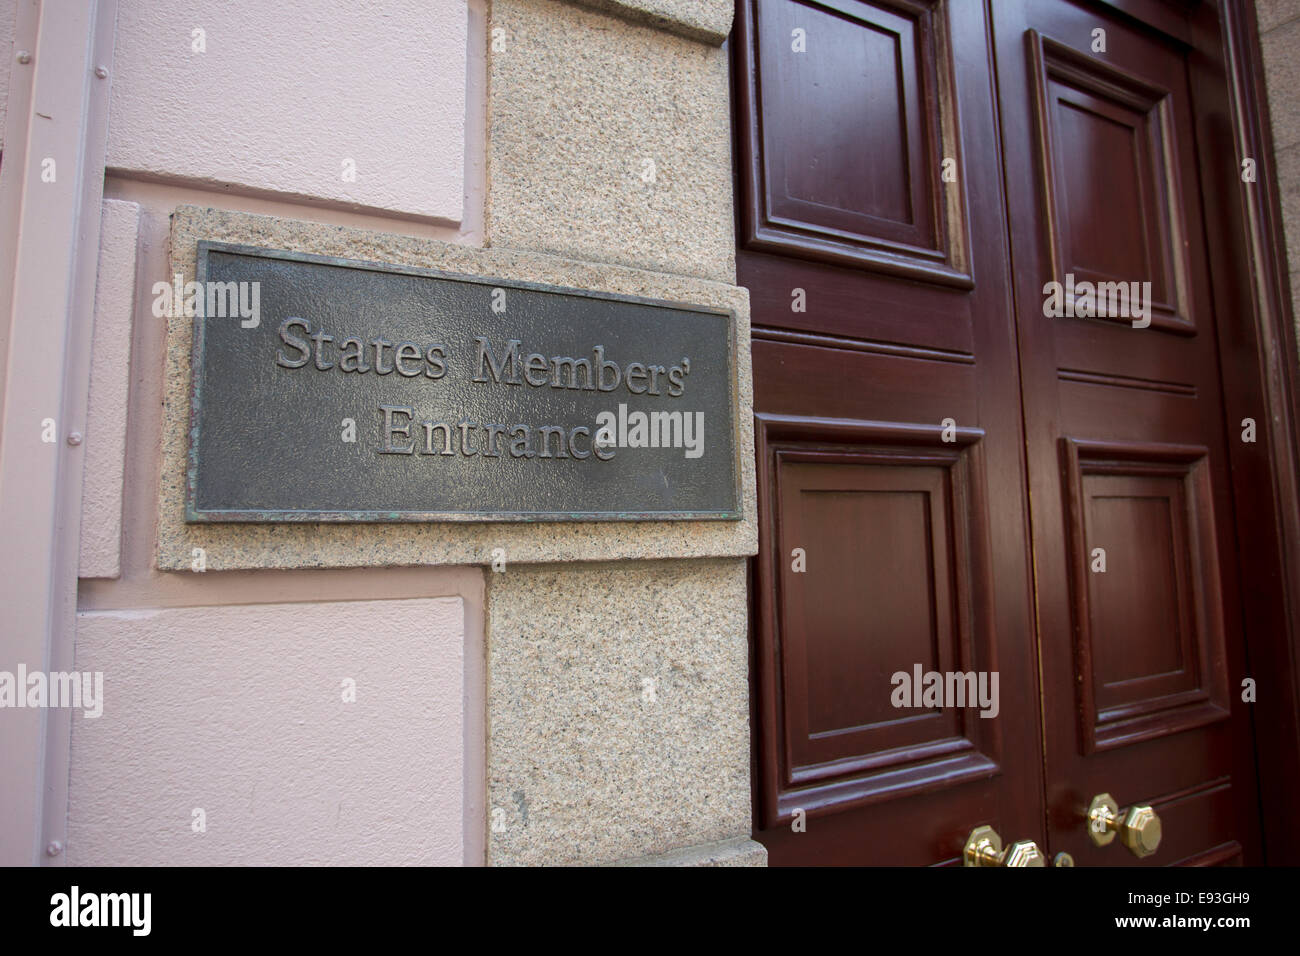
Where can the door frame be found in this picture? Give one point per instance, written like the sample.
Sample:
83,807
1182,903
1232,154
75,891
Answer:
1259,368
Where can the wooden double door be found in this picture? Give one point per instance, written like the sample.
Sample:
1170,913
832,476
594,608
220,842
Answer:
965,470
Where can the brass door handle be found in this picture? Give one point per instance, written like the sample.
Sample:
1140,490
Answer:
984,848
1138,826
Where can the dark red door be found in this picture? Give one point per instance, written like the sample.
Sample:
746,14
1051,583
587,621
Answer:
892,510
945,468
1142,662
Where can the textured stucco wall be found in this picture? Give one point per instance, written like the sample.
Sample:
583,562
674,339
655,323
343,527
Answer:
708,20
608,141
1279,34
619,704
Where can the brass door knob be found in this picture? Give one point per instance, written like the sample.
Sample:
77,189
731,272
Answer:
984,848
1138,826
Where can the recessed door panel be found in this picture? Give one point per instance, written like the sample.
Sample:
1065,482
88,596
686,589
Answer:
1107,142
890,516
849,112
1146,600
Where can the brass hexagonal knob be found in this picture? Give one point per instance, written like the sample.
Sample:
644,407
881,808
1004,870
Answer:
1103,816
1138,827
1024,853
1140,831
984,848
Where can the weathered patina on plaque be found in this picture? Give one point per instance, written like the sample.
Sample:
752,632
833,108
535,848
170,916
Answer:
334,390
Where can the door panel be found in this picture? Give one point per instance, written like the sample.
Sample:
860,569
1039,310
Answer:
853,108
875,321
1126,436
851,492
1106,141
1148,624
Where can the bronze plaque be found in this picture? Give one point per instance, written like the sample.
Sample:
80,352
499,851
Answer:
336,390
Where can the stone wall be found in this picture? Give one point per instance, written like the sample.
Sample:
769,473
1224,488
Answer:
1279,35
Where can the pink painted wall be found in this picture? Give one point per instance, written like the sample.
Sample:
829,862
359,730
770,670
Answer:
110,376
223,689
283,94
240,713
